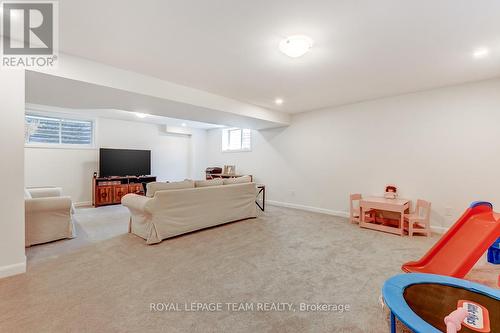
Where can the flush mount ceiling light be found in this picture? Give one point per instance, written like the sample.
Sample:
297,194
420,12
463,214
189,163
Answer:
141,115
296,46
278,101
480,53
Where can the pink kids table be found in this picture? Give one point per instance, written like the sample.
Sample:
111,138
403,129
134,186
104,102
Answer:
400,206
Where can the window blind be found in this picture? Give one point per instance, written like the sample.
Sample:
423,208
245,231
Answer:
53,130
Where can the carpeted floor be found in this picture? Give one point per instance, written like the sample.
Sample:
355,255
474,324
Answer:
284,256
92,225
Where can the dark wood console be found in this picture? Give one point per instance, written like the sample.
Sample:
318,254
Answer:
110,190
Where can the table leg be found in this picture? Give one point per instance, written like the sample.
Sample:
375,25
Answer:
264,199
402,223
362,215
263,191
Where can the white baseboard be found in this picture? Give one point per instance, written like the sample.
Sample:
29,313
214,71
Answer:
83,204
439,230
14,269
308,208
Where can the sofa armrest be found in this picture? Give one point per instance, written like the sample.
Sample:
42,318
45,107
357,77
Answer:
136,202
48,204
45,192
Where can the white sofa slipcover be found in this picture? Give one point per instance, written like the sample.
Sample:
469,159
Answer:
174,212
48,215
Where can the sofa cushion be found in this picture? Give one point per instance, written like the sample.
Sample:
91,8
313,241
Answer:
238,180
210,182
153,187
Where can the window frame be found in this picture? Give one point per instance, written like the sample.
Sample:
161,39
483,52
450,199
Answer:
61,116
240,150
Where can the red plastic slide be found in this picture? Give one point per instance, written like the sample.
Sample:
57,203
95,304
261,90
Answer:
462,245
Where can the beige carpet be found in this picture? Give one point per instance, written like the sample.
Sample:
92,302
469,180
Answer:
92,225
283,256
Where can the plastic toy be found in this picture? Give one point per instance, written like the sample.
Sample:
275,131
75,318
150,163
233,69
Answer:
454,320
462,245
494,253
391,192
420,303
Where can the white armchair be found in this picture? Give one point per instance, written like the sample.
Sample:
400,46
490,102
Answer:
48,215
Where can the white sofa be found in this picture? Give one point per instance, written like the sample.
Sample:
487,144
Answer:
48,215
173,212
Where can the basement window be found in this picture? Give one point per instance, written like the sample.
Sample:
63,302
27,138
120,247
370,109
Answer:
58,132
236,140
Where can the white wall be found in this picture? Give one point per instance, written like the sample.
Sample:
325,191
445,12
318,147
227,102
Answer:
198,154
172,157
441,145
12,257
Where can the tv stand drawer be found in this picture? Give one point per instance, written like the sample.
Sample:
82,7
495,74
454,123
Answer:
109,191
118,192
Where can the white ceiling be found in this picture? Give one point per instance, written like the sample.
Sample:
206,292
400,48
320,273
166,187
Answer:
60,92
122,115
364,49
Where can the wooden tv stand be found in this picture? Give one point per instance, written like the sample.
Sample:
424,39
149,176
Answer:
110,190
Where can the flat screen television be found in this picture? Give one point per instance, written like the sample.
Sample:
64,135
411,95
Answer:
124,162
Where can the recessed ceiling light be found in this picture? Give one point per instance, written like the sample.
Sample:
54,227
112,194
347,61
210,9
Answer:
184,124
482,52
296,46
278,101
141,115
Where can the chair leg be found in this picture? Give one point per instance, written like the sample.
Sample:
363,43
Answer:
410,228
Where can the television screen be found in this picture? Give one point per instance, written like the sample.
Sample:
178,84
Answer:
124,162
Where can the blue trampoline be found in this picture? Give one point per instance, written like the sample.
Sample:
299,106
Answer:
422,301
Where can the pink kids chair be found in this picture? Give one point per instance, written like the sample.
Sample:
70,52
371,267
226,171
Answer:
355,210
419,221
